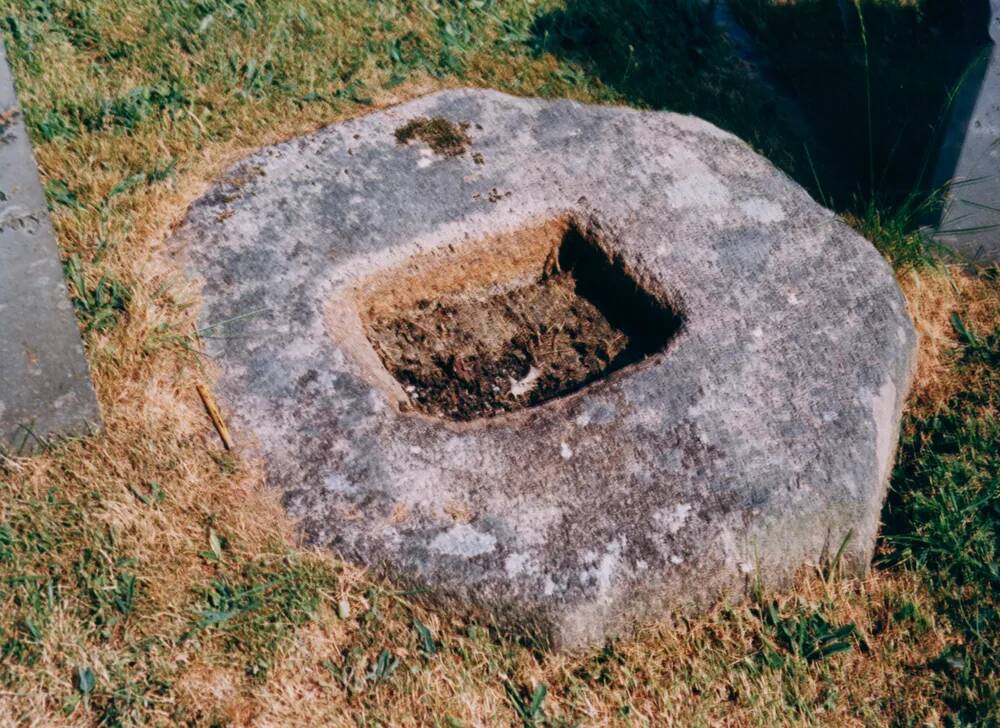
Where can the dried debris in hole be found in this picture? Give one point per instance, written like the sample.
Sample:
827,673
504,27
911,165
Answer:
444,137
480,353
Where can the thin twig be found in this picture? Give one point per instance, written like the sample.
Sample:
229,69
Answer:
213,412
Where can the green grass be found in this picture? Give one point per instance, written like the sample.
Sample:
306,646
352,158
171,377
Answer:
255,605
875,81
97,307
138,567
64,573
59,571
943,519
898,233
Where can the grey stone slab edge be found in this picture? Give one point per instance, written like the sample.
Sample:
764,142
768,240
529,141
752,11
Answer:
45,387
970,159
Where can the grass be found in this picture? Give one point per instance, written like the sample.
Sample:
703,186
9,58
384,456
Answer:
897,230
943,519
890,72
149,578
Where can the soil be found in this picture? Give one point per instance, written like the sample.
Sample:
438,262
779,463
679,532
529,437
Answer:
471,358
478,352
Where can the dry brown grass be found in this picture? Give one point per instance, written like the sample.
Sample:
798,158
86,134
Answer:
694,673
704,671
149,668
933,297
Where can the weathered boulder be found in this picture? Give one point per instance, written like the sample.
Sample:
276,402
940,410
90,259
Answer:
749,442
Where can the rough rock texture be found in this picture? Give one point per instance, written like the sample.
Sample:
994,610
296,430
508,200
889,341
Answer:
970,158
759,439
45,385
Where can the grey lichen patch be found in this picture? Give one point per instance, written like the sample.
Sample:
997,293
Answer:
444,137
463,540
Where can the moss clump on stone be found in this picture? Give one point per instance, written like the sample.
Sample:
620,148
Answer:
444,137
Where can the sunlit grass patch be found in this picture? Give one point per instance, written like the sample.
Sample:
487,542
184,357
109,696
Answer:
69,590
255,605
147,577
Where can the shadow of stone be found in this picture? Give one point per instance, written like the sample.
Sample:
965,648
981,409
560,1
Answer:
909,60
665,54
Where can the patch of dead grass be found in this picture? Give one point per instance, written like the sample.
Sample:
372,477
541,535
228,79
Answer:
701,671
708,670
933,297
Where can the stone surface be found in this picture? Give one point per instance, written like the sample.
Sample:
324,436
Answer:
754,445
970,159
45,387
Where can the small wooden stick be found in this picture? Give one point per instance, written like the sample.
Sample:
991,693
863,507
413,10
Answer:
213,412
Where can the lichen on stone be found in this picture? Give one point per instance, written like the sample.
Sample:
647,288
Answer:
444,137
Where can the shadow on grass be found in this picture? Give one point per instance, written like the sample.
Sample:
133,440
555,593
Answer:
942,517
664,54
870,91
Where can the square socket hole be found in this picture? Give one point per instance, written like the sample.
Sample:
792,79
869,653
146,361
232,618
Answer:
511,322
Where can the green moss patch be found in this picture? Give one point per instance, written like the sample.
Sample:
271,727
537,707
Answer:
444,137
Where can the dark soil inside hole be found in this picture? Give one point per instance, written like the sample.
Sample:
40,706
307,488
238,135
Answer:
472,356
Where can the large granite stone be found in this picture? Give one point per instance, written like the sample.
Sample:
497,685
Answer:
754,445
45,387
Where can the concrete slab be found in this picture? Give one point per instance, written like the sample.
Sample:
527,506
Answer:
750,444
970,159
45,388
